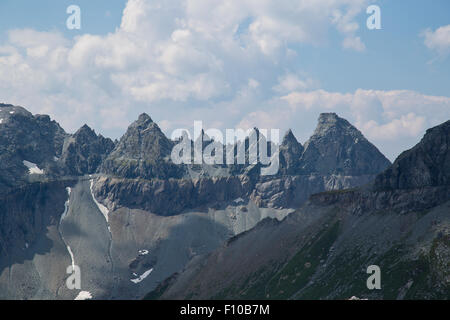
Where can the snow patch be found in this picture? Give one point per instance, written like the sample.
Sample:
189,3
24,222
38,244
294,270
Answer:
1,121
100,207
356,298
84,295
11,112
71,257
143,252
63,216
238,201
66,205
142,277
32,167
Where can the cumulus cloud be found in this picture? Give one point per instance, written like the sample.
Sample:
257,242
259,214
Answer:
438,40
354,43
291,82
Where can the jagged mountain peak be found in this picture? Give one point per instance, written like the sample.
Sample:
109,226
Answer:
143,122
328,117
332,124
85,127
144,118
426,164
337,147
35,139
84,151
85,130
8,111
143,151
290,154
141,137
289,139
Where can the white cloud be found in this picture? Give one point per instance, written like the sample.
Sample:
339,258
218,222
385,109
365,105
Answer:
29,38
410,125
438,40
354,43
134,15
290,82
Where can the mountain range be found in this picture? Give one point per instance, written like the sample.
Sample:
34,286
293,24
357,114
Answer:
399,222
139,225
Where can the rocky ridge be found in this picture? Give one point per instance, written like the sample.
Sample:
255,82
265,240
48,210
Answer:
299,174
322,250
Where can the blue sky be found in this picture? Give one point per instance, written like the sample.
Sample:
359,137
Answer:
99,16
180,66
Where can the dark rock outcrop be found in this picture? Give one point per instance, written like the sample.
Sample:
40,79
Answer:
290,153
84,151
419,179
26,137
293,191
25,215
172,196
427,164
337,147
143,152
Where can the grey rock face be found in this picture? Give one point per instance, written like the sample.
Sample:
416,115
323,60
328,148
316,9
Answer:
290,153
170,197
84,151
33,259
293,191
427,164
173,196
21,221
337,147
143,152
36,139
